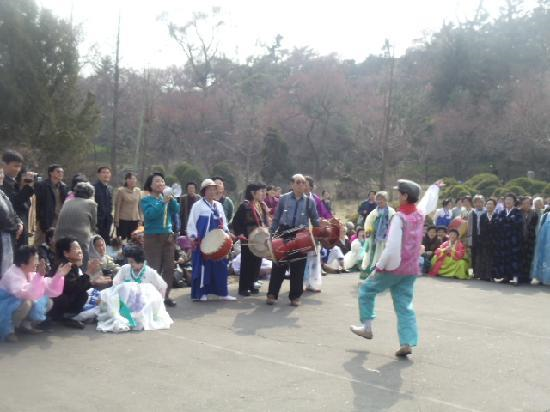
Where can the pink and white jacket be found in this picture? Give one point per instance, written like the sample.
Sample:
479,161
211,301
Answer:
34,287
400,256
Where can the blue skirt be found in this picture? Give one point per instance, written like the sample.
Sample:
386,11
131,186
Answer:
9,304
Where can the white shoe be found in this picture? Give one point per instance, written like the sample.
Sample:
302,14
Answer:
228,298
203,298
258,284
535,282
362,331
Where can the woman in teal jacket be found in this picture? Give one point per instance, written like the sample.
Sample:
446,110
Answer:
159,236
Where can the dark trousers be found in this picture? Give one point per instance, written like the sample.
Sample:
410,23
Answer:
159,252
125,228
68,303
278,270
250,269
104,227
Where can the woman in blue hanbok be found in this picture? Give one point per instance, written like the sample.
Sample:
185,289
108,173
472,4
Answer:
541,263
209,276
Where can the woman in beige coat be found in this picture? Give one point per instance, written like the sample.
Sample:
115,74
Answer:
128,215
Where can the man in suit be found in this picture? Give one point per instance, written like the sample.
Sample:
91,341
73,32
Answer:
104,200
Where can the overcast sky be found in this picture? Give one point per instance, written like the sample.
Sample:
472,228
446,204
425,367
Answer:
351,28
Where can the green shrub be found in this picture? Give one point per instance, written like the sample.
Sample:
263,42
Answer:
186,172
458,190
158,169
530,186
515,189
484,183
546,191
170,179
226,171
475,180
450,181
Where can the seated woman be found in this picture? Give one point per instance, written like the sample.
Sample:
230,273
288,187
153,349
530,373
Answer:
333,260
353,259
449,260
103,276
431,243
77,283
25,293
136,300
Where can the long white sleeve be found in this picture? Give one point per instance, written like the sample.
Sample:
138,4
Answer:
191,229
391,256
428,203
122,274
222,216
152,277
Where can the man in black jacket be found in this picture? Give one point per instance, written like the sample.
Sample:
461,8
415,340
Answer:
104,200
19,193
50,196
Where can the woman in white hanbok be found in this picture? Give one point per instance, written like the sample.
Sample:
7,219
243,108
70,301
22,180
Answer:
136,300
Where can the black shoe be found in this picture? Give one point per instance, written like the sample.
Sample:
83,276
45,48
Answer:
73,324
244,293
254,291
169,302
46,325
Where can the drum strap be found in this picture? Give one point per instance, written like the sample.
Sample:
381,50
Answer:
257,217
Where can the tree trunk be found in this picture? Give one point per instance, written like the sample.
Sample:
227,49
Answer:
387,118
116,95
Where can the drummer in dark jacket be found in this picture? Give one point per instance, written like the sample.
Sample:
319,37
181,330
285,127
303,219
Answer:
251,214
295,210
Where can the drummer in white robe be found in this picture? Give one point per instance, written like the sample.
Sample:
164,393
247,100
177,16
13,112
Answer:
209,276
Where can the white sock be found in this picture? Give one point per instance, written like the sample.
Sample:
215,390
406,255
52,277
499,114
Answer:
368,324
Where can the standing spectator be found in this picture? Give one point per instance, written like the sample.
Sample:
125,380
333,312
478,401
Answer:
431,243
327,200
50,195
457,210
159,237
78,218
78,178
467,207
474,234
485,247
538,205
128,214
366,207
186,203
508,242
541,264
271,199
376,229
313,270
530,224
19,193
104,200
444,215
11,228
227,203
